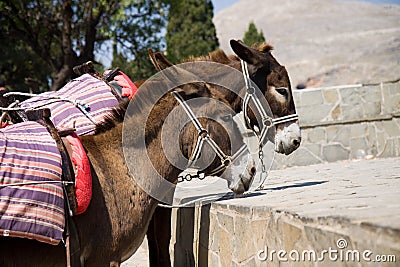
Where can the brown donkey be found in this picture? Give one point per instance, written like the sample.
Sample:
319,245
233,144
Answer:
116,221
273,81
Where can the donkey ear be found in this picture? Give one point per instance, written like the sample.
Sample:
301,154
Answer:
159,61
162,61
153,59
248,54
198,89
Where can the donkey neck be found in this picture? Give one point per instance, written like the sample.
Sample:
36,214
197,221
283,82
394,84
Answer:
125,208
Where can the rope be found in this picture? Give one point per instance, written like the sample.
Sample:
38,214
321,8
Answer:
82,106
33,183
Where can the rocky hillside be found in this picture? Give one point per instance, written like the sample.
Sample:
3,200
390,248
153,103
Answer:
322,42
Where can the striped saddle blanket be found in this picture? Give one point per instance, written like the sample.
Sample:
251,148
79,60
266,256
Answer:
35,210
28,154
80,104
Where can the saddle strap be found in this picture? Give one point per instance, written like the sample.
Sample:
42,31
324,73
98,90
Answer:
42,116
72,244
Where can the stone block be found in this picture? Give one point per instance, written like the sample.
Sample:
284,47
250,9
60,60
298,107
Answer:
297,97
313,148
314,114
391,147
311,98
213,242
302,157
242,238
261,228
371,133
335,152
358,143
372,109
352,111
394,89
336,112
224,246
339,134
358,130
350,96
391,98
291,235
391,128
317,135
370,93
213,259
331,96
225,221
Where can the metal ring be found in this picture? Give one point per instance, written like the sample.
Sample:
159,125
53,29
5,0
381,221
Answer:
227,161
203,133
188,177
267,122
251,90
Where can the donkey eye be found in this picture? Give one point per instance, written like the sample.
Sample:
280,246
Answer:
227,118
282,91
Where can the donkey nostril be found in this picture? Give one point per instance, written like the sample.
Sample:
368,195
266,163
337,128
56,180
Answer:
253,170
296,142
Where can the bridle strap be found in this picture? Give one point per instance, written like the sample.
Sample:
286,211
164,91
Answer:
267,121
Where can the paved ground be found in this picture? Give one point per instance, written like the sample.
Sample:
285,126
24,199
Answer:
360,191
140,258
365,192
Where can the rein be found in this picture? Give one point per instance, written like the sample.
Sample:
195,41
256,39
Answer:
203,136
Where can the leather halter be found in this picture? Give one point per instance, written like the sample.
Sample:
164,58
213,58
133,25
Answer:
203,136
267,121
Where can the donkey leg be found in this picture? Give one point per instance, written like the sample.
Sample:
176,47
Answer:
159,236
152,243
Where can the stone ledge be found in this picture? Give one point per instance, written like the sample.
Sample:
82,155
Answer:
301,208
351,121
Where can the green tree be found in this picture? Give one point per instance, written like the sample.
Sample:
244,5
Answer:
190,30
252,36
66,33
20,67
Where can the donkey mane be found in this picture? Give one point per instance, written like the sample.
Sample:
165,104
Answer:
263,47
116,116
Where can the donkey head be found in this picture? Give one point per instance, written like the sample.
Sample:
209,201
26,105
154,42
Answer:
273,81
194,112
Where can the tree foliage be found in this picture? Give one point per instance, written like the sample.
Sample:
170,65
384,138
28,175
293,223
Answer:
64,33
190,30
252,35
20,67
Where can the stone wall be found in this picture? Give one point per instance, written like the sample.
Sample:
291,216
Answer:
312,206
346,122
342,207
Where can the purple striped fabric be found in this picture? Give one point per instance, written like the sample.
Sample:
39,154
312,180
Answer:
28,154
96,94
